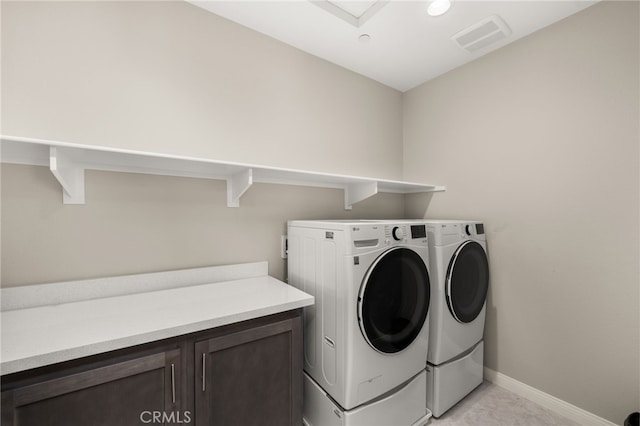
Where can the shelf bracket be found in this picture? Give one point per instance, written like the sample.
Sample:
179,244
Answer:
356,192
69,174
237,185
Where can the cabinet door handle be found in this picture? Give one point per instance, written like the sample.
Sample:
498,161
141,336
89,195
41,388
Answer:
204,367
173,383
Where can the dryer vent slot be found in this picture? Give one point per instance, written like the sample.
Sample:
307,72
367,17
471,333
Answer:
366,243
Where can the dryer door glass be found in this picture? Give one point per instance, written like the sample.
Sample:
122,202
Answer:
394,300
467,282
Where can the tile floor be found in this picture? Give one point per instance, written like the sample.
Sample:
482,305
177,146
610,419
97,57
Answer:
491,405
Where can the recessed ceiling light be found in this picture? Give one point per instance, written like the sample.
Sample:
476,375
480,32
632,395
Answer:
438,7
364,38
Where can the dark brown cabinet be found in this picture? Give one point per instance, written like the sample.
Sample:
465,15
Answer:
248,373
121,393
250,377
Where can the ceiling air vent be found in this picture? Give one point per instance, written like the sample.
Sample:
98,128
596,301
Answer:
482,34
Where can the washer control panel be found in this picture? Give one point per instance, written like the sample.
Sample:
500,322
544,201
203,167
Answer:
404,232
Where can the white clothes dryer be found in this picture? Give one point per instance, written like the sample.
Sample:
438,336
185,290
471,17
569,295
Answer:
460,281
368,331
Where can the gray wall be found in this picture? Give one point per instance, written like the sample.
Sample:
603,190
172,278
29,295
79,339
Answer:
170,77
540,140
134,223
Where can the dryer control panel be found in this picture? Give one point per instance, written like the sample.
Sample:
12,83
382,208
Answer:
474,228
445,232
405,232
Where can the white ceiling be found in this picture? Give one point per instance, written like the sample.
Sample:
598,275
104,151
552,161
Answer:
406,47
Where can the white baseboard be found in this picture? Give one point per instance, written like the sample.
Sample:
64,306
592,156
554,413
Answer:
561,407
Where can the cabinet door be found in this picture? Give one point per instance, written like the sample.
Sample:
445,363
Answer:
251,377
125,393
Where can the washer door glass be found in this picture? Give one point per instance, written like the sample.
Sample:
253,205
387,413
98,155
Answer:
467,282
394,300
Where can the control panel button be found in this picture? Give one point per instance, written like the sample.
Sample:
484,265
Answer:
467,229
397,233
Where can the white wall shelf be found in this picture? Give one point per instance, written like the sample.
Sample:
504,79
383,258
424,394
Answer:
68,161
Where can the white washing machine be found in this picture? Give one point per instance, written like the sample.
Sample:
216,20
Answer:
367,333
460,281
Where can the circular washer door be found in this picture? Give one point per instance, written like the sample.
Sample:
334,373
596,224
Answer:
467,282
394,300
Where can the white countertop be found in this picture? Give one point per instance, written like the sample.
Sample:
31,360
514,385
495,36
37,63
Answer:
43,335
